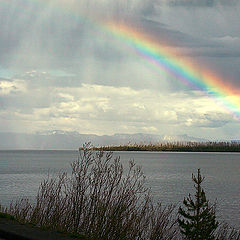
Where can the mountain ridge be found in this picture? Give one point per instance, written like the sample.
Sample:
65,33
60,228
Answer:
58,139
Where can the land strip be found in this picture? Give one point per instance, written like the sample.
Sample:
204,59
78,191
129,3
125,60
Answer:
12,230
176,147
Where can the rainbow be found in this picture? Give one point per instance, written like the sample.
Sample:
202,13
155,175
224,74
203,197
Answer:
169,60
164,58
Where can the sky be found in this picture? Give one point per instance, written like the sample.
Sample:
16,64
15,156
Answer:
62,67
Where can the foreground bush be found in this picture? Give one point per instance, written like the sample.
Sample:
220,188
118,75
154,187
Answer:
98,200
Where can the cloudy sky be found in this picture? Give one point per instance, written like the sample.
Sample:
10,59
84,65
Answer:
61,69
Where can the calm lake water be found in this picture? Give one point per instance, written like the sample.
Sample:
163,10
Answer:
167,173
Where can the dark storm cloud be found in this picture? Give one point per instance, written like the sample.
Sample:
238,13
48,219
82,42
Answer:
173,37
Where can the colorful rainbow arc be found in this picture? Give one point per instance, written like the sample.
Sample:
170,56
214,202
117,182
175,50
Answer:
164,58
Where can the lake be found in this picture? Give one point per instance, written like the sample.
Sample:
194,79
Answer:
168,174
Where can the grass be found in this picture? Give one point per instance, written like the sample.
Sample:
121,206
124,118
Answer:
99,200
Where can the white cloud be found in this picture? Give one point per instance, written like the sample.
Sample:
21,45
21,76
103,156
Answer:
103,109
67,97
12,87
128,108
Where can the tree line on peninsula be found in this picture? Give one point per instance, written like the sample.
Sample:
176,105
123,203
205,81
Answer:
232,146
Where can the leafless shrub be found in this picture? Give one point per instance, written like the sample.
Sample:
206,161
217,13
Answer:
100,200
225,232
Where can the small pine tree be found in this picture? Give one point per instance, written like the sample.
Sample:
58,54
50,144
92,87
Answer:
198,221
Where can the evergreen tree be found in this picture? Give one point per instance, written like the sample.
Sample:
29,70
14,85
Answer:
198,220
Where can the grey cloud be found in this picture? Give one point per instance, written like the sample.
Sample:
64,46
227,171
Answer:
34,35
206,120
116,9
201,3
190,45
210,121
172,37
52,39
37,80
14,24
25,103
208,3
218,52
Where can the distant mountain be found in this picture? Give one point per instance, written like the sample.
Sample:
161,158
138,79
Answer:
152,138
182,138
58,139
